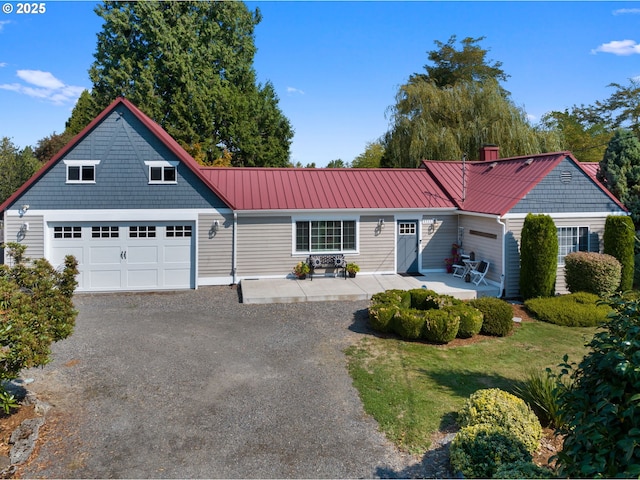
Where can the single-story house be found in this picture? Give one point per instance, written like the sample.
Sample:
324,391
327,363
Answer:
139,213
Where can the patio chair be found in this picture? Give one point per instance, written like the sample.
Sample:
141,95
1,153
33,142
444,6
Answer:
458,270
478,274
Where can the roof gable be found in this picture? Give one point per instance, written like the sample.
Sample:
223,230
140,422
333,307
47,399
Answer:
158,132
495,187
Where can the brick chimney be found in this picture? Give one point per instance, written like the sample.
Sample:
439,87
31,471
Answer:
489,153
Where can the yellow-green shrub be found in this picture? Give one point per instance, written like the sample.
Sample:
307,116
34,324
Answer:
441,326
380,316
497,407
409,322
470,319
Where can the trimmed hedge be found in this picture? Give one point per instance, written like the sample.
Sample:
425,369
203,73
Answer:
401,298
470,319
538,256
619,241
380,316
408,323
441,326
497,407
477,451
573,310
592,272
497,316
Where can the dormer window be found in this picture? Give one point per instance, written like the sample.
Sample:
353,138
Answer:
81,171
162,172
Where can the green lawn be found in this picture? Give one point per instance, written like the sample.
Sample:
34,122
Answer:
414,389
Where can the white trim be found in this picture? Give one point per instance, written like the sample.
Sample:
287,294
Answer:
80,164
517,216
162,164
118,215
213,281
351,211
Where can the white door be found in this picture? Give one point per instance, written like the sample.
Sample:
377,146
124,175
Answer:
131,256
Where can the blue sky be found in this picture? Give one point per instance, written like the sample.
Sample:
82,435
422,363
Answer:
336,66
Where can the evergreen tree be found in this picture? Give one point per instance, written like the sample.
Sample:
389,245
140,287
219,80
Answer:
619,241
538,257
188,66
82,114
16,166
620,170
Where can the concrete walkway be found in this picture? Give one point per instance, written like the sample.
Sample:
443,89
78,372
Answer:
288,290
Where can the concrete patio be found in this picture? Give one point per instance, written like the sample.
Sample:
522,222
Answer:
289,290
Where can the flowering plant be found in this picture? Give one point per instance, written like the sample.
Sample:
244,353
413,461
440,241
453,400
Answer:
301,269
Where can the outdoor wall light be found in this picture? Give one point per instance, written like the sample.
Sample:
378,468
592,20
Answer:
23,210
215,226
24,228
381,223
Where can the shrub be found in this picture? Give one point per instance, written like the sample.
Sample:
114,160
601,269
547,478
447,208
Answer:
470,319
522,469
441,326
574,310
542,390
538,256
601,408
408,323
401,298
619,242
497,316
423,299
35,310
381,315
477,451
592,272
499,408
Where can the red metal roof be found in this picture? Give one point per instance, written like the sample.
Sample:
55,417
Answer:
494,187
156,129
591,168
326,188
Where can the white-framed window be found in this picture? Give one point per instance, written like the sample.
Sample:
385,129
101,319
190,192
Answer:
162,172
406,228
174,231
67,232
105,232
325,236
81,171
572,239
142,231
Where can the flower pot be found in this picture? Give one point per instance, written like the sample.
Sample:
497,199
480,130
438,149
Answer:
352,274
302,276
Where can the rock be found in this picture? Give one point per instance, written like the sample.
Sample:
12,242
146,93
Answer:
24,440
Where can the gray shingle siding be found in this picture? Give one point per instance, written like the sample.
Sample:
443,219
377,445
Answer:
554,195
121,182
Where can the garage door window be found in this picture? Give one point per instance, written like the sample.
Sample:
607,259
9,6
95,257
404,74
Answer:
104,232
142,231
174,231
67,232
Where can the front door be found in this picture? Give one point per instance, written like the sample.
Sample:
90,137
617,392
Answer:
407,246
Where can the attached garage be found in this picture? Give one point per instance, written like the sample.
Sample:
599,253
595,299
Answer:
126,256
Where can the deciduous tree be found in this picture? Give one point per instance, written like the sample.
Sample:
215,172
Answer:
371,156
16,166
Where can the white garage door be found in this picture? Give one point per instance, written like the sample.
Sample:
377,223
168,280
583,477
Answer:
131,256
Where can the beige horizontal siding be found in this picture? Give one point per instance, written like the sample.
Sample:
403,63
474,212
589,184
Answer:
215,249
377,245
437,240
485,243
265,246
33,238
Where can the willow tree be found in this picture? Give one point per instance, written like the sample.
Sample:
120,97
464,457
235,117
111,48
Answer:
429,122
189,66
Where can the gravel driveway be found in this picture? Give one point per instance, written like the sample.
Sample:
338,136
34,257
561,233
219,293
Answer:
195,384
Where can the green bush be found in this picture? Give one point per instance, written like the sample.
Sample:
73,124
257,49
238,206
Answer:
574,310
522,469
36,310
381,315
470,319
423,299
502,409
408,323
542,390
538,256
592,272
497,316
477,451
441,326
619,242
600,410
401,298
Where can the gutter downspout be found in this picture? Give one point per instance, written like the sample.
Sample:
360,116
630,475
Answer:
504,255
234,247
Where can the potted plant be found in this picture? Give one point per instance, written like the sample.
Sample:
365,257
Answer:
453,259
301,270
352,269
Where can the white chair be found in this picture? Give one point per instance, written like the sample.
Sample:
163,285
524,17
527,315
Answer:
478,273
458,270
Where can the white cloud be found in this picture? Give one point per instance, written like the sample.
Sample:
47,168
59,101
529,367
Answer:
294,91
3,64
619,47
624,11
3,23
44,86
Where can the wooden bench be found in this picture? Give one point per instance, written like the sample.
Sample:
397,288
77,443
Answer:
335,260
